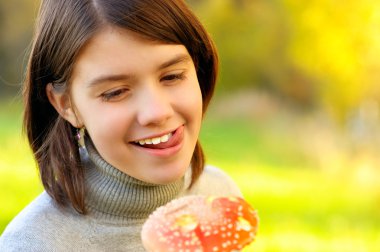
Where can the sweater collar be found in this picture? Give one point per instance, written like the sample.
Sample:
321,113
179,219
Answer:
112,193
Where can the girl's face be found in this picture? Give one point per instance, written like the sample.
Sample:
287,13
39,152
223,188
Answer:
140,102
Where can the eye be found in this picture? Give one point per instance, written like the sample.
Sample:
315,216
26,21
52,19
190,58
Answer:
173,77
114,95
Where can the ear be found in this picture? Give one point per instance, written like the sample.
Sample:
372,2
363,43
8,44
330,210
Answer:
61,102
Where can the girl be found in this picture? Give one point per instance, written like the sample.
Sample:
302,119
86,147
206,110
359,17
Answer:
135,77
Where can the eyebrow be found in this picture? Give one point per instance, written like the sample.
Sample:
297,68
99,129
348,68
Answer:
181,58
109,78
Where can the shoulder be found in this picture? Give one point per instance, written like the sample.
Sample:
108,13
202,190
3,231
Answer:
33,227
215,182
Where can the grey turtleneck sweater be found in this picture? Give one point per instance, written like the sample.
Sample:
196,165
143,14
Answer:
117,207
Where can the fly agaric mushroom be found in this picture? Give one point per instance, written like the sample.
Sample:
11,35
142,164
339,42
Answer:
200,224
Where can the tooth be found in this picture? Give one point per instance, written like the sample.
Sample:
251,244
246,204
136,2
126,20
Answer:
148,141
142,142
164,138
156,140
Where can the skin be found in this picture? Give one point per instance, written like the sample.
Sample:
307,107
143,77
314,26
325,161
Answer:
125,88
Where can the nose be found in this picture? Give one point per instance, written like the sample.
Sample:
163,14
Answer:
155,106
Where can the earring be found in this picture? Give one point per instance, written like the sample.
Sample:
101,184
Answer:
77,135
80,135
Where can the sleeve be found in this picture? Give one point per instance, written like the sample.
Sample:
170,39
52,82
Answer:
215,182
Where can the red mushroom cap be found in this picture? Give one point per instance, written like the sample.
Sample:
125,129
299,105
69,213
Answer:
200,224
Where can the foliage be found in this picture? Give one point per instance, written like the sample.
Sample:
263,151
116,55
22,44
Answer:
16,23
314,53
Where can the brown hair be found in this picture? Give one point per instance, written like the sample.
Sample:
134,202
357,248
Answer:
63,28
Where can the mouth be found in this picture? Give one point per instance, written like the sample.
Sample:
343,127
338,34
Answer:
164,141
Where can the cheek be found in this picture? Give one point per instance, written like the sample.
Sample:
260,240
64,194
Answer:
105,123
189,94
198,108
196,101
191,102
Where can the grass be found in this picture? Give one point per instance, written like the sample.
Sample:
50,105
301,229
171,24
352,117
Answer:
303,205
19,182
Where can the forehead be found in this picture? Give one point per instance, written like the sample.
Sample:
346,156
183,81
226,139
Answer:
114,49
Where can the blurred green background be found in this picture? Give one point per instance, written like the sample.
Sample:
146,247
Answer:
295,120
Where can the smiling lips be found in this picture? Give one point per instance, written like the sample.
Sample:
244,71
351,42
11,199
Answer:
166,141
